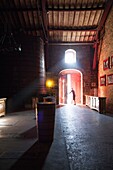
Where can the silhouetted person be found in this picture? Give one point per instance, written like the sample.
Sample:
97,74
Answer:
73,93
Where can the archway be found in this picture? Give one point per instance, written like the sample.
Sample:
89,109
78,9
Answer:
70,78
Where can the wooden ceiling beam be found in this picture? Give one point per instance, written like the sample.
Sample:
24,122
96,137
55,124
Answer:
100,27
22,9
93,28
70,43
74,9
44,18
105,14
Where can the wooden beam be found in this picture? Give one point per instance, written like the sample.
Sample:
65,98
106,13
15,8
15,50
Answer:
102,22
74,9
71,43
105,14
44,18
17,9
40,15
87,28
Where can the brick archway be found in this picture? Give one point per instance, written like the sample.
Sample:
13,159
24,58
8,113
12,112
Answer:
70,78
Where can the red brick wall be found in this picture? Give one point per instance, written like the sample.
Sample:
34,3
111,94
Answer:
106,51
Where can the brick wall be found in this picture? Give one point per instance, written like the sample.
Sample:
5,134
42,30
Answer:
106,51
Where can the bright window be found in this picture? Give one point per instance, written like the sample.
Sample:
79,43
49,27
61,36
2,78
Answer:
70,56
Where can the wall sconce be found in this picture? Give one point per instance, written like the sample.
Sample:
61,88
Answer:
50,85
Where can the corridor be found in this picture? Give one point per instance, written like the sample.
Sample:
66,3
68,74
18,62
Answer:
83,140
88,139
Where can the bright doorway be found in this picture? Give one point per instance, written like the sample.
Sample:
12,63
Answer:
70,78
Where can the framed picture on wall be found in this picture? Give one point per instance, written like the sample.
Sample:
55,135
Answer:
111,61
103,80
106,64
110,79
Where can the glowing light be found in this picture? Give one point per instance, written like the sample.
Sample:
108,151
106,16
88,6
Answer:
69,88
50,83
70,56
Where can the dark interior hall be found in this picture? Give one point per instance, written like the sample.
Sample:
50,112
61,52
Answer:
34,37
48,47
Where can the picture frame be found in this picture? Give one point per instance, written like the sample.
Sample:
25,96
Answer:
103,80
110,79
111,61
105,64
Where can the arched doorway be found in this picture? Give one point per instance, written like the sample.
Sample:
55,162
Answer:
70,78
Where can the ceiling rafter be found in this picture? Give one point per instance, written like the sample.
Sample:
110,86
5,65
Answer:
27,16
74,9
56,20
105,14
22,18
71,43
40,7
19,9
85,28
8,9
44,19
100,26
32,21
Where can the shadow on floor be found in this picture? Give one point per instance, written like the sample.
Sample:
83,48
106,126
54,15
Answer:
30,133
33,158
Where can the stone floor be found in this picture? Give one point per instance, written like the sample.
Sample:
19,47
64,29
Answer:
83,140
89,138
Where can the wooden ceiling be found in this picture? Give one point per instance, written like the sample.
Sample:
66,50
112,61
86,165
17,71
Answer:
56,21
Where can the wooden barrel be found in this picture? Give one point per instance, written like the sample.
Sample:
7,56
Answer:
46,120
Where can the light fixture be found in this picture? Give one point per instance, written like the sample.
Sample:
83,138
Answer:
9,44
49,83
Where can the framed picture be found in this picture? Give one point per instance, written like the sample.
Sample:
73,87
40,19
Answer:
111,61
103,80
106,64
110,79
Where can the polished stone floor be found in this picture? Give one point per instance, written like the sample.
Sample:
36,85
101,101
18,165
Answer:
89,138
83,140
